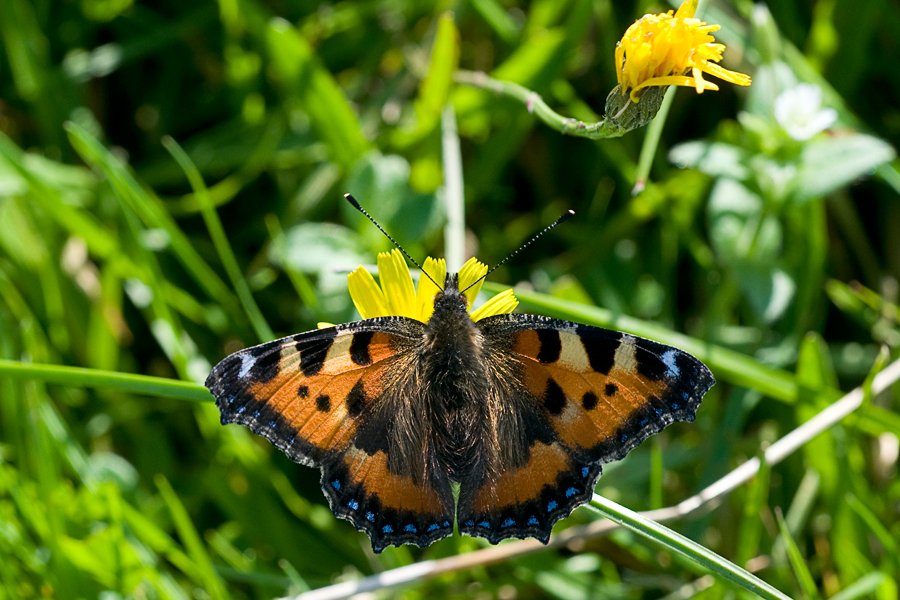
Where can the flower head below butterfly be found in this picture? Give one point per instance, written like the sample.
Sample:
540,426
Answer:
396,296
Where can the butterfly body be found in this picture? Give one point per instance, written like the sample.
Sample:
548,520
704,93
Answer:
519,410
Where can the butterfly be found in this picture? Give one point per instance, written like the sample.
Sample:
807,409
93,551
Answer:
517,412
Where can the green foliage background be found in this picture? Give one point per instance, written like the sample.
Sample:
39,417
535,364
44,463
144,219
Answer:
778,257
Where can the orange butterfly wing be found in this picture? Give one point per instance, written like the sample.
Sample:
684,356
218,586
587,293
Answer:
327,399
593,395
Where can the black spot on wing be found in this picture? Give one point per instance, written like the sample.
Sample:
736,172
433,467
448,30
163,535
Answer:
554,397
357,399
359,348
303,391
323,403
374,433
610,389
589,400
313,351
600,347
551,345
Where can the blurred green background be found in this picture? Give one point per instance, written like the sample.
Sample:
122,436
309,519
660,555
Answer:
766,227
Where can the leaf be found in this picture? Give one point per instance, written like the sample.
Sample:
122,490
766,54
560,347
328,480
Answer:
831,163
320,248
381,183
768,290
435,88
739,228
715,159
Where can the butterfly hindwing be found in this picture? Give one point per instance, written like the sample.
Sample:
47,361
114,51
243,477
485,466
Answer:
330,398
391,508
526,501
597,393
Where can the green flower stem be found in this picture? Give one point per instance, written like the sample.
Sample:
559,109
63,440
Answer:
678,543
126,382
536,105
651,142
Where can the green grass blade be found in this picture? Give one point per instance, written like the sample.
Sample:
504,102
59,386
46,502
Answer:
678,543
307,82
126,382
807,584
213,584
864,587
150,210
889,541
220,240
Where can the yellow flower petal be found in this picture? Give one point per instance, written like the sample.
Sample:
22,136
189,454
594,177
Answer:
469,274
427,289
396,296
662,49
501,304
687,10
366,295
396,283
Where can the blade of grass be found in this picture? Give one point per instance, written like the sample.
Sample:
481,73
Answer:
126,382
212,583
750,532
865,586
454,194
656,474
798,512
807,584
688,548
307,82
151,212
302,285
885,538
220,240
163,323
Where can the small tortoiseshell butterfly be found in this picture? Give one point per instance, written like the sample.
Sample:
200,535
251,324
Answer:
520,410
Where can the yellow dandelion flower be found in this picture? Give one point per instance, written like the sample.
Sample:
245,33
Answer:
395,296
667,49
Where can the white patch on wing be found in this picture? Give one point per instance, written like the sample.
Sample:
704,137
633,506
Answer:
669,358
338,358
625,353
572,356
247,362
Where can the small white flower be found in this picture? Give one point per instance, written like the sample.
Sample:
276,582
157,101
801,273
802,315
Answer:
799,112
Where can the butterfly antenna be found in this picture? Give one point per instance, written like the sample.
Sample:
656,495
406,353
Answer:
562,219
356,205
